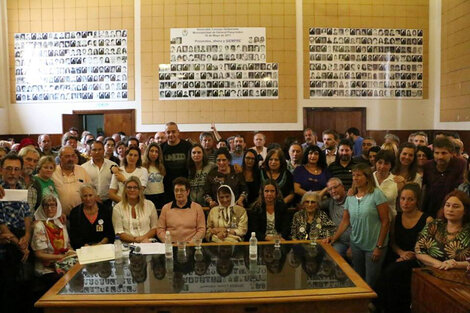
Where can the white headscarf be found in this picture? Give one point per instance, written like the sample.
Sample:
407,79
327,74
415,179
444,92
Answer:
226,211
40,215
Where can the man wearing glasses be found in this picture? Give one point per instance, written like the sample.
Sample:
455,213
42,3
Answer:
334,207
15,231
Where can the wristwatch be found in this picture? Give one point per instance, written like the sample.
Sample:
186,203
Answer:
379,247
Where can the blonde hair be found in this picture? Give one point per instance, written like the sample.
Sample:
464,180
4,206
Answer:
46,160
367,171
125,200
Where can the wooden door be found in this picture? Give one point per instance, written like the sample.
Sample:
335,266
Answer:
72,120
119,121
339,119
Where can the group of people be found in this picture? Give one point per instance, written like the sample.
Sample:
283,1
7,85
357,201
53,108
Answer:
385,209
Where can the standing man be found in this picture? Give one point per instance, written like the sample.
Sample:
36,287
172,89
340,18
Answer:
342,167
441,175
330,141
175,156
334,207
259,140
367,143
99,169
30,158
239,147
420,139
310,139
208,144
160,138
295,156
68,178
353,134
15,235
45,145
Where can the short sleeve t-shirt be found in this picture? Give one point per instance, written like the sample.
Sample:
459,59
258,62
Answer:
365,219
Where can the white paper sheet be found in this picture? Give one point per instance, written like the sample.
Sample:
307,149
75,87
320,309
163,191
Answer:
98,253
151,248
20,195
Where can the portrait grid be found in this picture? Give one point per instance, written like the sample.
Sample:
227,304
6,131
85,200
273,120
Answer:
222,63
71,66
366,62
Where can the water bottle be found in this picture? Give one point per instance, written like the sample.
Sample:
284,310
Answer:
168,245
253,250
118,250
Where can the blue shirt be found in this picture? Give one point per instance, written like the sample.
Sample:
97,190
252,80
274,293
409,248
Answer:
13,213
365,220
236,159
357,147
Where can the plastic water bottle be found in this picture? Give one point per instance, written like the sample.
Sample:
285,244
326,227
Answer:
117,250
253,250
168,245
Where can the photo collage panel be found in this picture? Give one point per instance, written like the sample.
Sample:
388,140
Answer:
218,63
366,62
71,66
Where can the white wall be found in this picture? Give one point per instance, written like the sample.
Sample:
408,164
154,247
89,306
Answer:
381,114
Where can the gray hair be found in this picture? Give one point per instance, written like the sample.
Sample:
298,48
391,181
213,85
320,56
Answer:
87,186
336,179
25,150
313,194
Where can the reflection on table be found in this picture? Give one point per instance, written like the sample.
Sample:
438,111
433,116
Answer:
208,269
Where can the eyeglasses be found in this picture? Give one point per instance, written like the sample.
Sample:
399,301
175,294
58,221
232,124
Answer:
333,187
310,201
12,169
132,187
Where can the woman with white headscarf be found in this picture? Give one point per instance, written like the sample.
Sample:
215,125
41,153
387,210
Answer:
50,240
227,221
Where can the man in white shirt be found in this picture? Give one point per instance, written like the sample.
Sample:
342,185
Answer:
259,140
99,170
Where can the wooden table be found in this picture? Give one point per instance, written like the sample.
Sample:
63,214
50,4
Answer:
338,300
438,291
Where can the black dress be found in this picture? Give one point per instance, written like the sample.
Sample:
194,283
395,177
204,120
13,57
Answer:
257,221
394,284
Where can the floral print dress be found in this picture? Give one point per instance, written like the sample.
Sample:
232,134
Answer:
434,241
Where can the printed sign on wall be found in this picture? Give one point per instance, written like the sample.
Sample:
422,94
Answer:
223,63
366,62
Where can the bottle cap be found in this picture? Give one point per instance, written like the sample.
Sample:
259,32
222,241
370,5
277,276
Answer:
253,233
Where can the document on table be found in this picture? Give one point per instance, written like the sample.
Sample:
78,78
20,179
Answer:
93,254
17,195
151,248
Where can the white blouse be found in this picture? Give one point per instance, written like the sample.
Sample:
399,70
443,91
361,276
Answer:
140,172
145,220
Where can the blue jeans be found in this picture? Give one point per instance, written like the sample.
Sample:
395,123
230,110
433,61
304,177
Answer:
341,248
363,265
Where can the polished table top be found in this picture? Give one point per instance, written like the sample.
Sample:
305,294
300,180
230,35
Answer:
212,269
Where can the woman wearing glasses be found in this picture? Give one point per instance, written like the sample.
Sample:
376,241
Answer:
134,218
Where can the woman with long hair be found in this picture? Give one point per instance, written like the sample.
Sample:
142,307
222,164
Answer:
406,166
153,162
268,217
275,168
366,210
313,174
393,287
198,168
134,218
132,166
252,175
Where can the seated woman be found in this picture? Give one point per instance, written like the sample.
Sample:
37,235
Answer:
134,218
444,243
268,216
313,174
184,219
132,166
224,174
43,183
393,286
50,241
310,222
275,168
227,221
90,222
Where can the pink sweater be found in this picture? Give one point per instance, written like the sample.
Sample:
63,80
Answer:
184,224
